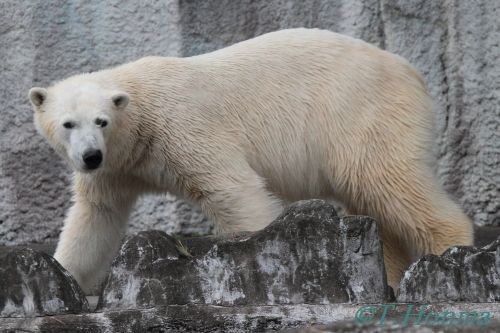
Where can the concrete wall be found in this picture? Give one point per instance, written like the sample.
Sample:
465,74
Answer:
454,44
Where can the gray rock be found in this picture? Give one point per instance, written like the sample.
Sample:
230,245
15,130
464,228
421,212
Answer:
33,284
307,255
211,318
461,274
453,43
353,327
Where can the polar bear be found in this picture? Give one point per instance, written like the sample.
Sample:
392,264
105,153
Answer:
289,115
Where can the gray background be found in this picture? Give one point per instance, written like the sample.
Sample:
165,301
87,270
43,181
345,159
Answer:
454,44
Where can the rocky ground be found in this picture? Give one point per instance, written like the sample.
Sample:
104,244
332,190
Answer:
309,271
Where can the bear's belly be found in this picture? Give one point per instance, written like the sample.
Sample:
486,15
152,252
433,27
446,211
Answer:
295,180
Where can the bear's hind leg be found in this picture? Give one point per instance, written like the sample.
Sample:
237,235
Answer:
448,224
415,216
397,258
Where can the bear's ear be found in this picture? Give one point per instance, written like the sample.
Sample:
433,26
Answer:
37,96
120,100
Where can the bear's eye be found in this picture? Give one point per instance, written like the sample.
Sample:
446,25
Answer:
101,122
68,125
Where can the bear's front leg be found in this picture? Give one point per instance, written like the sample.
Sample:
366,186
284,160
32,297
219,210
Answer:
91,237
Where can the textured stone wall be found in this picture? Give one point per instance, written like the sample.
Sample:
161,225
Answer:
454,44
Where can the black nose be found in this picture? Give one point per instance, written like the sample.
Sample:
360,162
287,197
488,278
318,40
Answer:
92,158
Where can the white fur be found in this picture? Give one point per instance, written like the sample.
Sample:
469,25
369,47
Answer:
289,115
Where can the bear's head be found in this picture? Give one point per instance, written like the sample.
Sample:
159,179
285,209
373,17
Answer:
78,120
